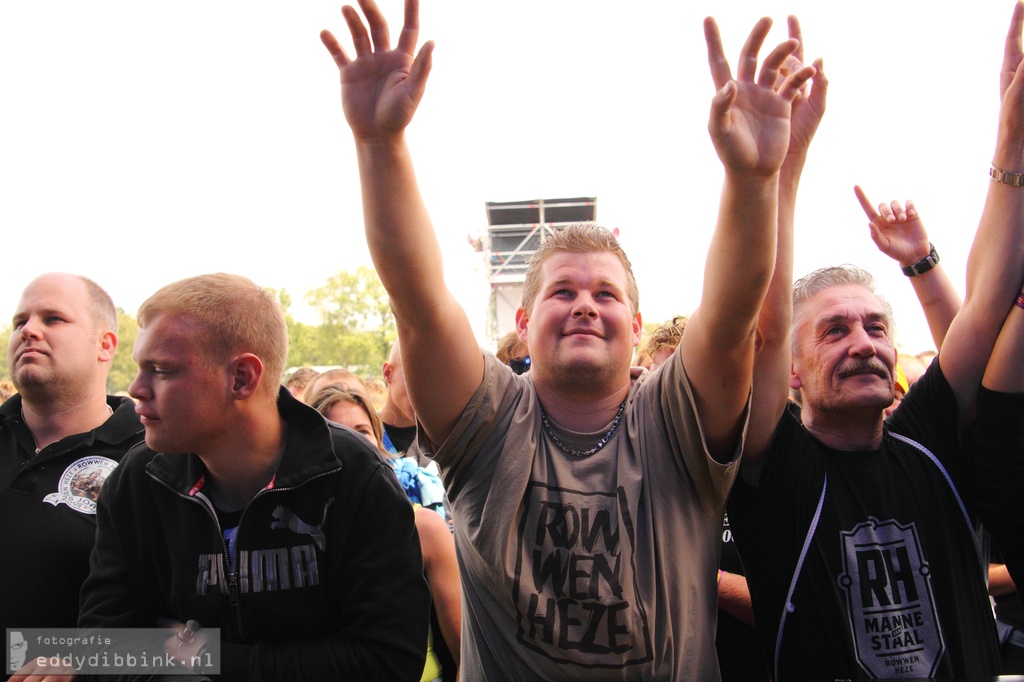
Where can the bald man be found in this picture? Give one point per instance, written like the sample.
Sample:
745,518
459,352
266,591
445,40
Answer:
60,436
397,414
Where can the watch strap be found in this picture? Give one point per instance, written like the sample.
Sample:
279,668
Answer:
924,265
1006,177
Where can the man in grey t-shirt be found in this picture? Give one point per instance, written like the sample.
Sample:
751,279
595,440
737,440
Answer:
587,505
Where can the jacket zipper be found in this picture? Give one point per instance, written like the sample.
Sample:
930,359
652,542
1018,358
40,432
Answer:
205,503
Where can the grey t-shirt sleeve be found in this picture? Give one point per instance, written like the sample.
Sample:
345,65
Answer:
475,442
669,406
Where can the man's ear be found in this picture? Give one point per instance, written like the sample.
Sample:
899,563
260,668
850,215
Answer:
385,372
522,322
246,373
794,378
638,329
108,346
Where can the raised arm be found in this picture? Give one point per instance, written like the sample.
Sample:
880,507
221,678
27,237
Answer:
772,361
998,444
380,90
995,267
750,128
1005,370
749,125
899,233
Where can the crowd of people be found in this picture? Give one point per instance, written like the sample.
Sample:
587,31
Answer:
765,489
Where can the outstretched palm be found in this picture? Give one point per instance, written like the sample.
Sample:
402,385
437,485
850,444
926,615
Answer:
750,120
808,111
377,94
382,87
754,136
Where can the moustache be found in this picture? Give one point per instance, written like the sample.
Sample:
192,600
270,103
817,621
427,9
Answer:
869,366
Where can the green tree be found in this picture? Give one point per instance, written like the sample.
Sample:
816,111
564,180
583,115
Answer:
306,343
5,369
123,368
357,326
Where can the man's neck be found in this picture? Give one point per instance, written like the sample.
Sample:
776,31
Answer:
859,431
392,416
584,414
51,421
238,472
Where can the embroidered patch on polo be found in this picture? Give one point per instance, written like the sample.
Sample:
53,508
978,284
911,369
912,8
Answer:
80,484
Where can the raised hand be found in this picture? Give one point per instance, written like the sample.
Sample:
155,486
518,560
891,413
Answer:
1010,146
897,231
382,87
808,107
750,120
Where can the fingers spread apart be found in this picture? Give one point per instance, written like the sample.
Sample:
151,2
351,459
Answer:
378,25
335,48
720,71
795,82
747,67
378,37
360,37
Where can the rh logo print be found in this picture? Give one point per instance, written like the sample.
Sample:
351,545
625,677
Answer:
889,600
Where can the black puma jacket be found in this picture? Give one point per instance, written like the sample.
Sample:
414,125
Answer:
328,578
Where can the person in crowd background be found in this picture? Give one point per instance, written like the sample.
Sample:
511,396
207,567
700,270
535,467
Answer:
513,352
377,391
664,340
338,376
7,389
398,415
298,380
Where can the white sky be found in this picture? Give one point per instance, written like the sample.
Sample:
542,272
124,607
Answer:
143,142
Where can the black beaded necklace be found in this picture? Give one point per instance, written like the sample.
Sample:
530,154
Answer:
582,453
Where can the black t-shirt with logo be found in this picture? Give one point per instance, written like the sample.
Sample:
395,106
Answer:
877,548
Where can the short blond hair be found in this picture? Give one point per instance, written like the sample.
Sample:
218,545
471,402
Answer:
577,238
301,378
101,306
234,316
337,376
666,336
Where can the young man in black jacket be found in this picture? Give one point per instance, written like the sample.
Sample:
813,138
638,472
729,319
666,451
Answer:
244,510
